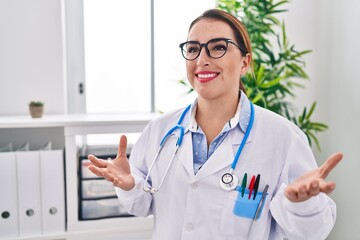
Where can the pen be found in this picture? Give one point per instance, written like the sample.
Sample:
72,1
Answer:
243,184
261,203
251,186
259,207
256,185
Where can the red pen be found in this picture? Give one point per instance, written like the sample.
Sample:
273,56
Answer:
251,186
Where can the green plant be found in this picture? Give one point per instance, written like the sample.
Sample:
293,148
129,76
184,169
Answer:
276,70
36,104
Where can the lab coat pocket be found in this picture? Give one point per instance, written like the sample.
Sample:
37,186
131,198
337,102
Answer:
248,207
229,222
238,213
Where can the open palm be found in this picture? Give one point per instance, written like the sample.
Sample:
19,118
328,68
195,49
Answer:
313,182
117,170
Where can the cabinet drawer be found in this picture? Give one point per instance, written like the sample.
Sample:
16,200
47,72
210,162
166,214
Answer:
103,208
98,188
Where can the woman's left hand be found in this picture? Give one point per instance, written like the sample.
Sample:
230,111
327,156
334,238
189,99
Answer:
313,182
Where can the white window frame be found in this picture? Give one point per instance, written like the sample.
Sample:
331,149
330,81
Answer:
75,56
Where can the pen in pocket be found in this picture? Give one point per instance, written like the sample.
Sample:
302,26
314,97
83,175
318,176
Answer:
243,184
256,185
251,186
258,209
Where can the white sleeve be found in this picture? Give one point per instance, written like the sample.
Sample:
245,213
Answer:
137,201
311,219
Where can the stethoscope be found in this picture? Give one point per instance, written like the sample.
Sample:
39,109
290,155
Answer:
228,181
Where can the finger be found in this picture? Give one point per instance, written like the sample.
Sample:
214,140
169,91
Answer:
97,161
123,183
95,170
122,146
314,188
117,183
302,192
107,176
327,187
291,194
330,164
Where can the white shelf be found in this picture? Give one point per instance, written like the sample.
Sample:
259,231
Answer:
129,228
74,120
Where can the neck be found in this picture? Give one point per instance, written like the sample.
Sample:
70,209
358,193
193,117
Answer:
211,115
223,109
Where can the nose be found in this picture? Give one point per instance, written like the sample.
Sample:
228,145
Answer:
203,58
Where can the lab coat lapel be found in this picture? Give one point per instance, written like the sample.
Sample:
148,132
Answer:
224,155
185,153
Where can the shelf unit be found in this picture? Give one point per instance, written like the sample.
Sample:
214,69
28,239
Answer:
71,126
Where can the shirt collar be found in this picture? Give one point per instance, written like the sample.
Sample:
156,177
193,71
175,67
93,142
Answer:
241,117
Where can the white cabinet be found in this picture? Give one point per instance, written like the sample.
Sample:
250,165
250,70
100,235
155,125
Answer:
63,131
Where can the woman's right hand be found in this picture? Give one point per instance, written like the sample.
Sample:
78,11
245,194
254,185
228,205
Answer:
117,170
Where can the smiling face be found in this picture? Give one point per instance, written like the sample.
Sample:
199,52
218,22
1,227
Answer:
215,79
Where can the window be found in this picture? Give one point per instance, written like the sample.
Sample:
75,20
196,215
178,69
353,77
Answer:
119,61
117,55
172,20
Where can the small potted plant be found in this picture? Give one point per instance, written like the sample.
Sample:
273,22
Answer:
36,109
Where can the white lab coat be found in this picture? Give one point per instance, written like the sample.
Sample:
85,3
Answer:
191,207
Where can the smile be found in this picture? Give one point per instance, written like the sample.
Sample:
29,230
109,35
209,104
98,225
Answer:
206,77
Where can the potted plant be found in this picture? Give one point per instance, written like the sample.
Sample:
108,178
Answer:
36,109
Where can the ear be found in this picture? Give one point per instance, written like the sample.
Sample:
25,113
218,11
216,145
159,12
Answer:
245,60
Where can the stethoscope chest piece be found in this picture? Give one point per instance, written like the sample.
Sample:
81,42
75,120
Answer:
229,181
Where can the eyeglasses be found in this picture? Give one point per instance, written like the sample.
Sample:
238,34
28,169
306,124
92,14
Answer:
215,48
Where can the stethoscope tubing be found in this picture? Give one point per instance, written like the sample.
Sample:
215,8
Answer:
242,144
178,144
162,143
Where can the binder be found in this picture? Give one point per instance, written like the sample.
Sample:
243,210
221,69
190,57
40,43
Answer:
9,220
52,191
29,193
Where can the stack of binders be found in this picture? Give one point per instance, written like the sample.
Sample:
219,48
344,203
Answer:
32,201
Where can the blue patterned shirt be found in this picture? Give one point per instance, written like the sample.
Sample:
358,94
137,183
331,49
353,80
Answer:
201,152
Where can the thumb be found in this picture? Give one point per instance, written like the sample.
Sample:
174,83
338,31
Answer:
122,147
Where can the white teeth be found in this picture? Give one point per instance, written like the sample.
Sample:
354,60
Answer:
209,75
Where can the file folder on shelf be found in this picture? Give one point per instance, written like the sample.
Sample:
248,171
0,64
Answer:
52,191
9,220
29,193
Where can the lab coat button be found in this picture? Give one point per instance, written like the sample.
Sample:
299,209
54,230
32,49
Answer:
189,227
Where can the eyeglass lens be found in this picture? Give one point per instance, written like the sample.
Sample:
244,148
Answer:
215,48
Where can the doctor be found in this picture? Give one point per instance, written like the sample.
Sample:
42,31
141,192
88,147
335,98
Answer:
199,195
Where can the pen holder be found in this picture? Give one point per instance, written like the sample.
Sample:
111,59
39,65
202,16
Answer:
245,207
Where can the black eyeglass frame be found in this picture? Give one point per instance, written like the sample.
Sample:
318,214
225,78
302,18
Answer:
205,45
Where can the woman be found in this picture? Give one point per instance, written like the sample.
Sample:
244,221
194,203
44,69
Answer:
199,196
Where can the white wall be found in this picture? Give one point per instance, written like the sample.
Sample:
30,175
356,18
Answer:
341,100
31,59
332,30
